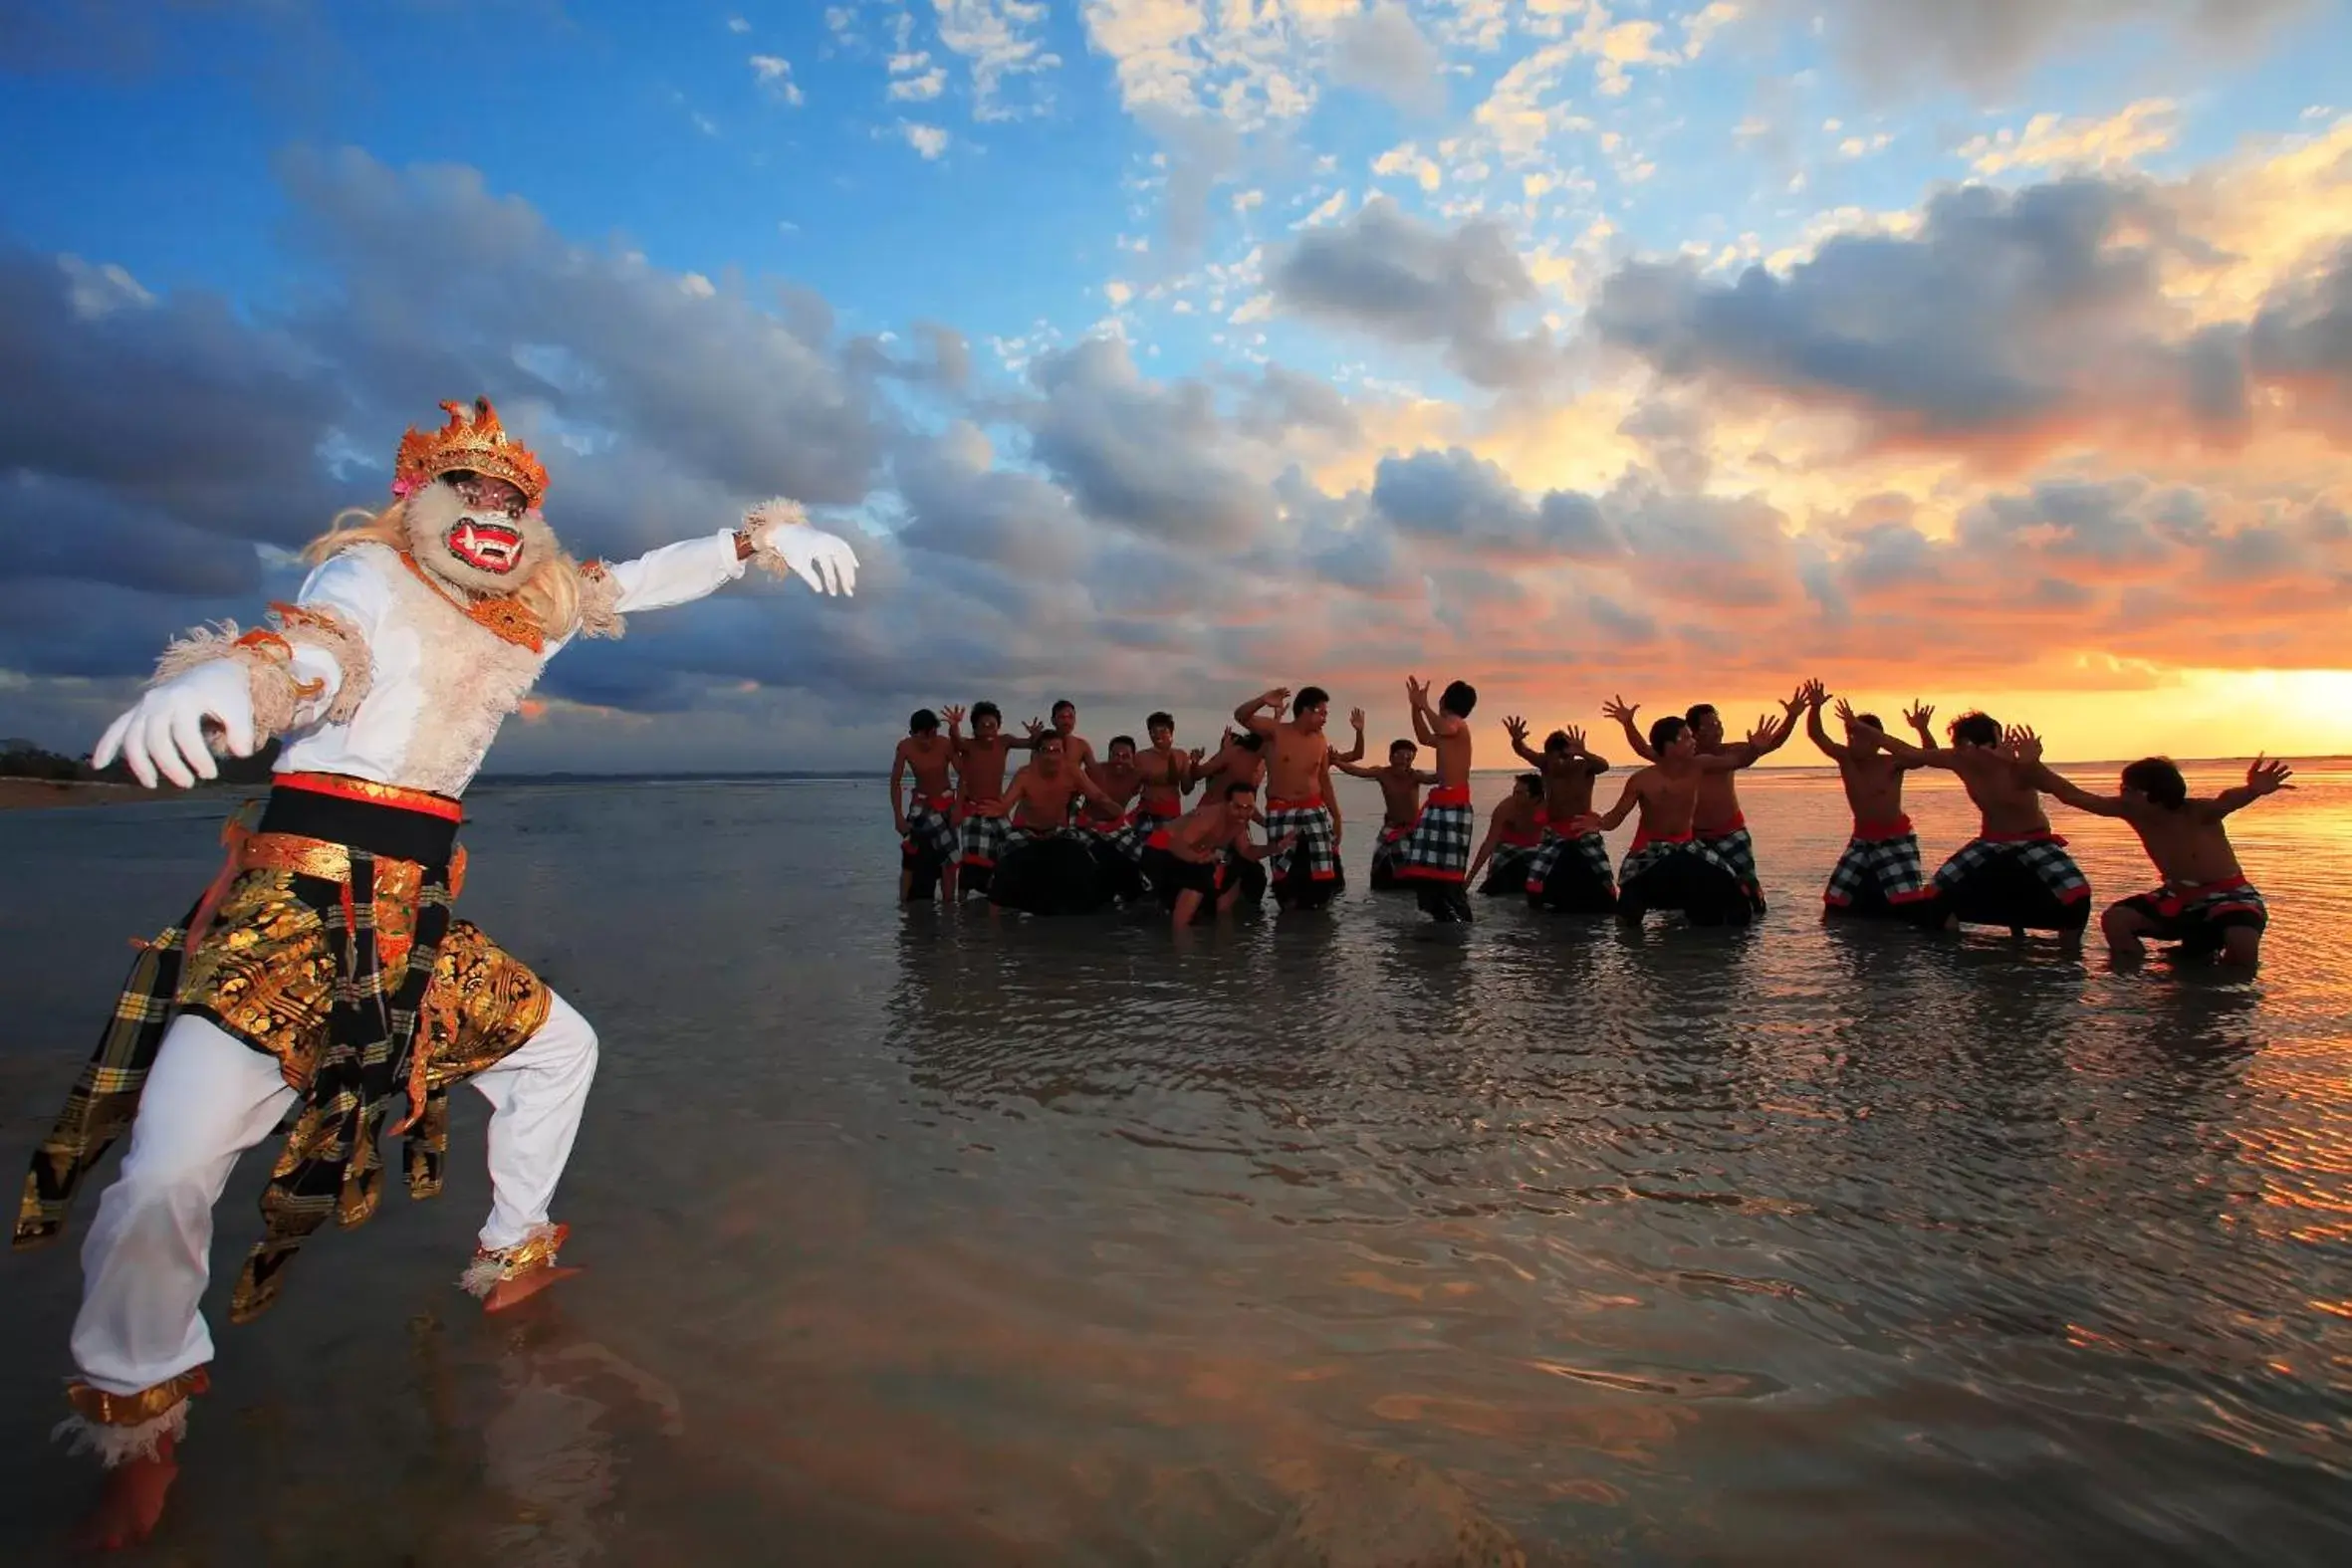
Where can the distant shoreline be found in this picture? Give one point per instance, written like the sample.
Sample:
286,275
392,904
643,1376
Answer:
34,795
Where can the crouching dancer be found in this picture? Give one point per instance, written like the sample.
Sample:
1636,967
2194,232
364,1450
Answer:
320,980
2015,872
1186,861
2204,903
1670,867
1879,874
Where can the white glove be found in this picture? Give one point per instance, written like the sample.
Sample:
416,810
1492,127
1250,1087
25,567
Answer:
822,561
164,731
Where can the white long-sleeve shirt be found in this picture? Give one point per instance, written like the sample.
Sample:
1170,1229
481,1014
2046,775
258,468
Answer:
441,684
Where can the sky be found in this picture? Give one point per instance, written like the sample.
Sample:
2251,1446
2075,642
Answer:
1156,352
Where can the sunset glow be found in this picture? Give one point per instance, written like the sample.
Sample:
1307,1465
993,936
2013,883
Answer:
1159,351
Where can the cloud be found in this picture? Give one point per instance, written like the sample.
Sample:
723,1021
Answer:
1147,457
774,72
1381,51
1387,273
2058,142
929,140
915,80
1454,497
2301,343
1000,40
2002,318
1988,45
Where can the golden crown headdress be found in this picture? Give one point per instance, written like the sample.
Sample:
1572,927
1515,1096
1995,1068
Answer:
479,445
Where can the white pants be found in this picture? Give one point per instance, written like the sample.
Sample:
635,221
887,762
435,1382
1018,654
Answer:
208,1099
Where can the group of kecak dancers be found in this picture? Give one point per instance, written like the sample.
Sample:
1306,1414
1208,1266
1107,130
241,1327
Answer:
321,988
1074,832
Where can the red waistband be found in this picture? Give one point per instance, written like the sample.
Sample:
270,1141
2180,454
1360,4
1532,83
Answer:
1724,830
1297,805
1448,795
1643,838
1168,804
1110,825
2230,884
937,803
1159,840
1522,839
369,792
2045,837
1893,827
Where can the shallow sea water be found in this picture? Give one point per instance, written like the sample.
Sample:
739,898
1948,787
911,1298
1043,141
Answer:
923,1239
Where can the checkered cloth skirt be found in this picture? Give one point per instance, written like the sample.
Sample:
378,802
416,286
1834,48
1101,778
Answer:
1737,851
1317,840
1877,866
1591,848
1649,857
2045,856
930,832
2198,914
1507,868
984,840
1437,847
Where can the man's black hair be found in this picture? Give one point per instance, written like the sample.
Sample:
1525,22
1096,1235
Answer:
1532,783
1458,698
1054,712
1308,697
1126,741
1871,719
923,722
1665,732
1158,720
2158,780
1233,786
1396,746
1698,711
986,710
1978,728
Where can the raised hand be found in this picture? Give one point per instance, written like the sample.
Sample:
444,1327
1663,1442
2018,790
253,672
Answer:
953,714
164,730
1763,732
2022,744
1517,728
1575,741
1355,718
1277,698
1416,691
1845,713
2267,775
1196,753
1919,714
1035,727
1618,708
1798,699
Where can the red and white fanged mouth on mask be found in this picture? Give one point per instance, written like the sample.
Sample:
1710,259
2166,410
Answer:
485,546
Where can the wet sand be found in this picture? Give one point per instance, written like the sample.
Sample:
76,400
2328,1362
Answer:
33,795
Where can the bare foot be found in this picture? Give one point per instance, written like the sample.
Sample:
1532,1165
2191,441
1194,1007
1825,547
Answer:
131,1502
514,1292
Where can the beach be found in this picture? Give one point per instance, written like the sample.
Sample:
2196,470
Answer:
916,1237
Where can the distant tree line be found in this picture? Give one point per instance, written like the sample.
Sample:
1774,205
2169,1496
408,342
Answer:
22,759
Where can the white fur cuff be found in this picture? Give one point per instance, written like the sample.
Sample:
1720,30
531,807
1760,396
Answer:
763,522
119,1444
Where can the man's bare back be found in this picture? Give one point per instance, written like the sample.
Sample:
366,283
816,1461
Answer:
1569,770
1871,771
1447,734
2189,842
1986,758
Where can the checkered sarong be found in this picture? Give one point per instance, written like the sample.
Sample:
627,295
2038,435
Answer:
1738,851
930,832
1593,848
984,840
330,1166
2044,855
1317,840
1438,846
1507,868
2198,914
1648,856
1880,864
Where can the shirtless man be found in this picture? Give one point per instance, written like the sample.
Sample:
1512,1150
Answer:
1513,829
1120,779
1043,795
1167,774
927,823
1240,759
2015,872
1571,874
980,785
1065,715
1185,860
1434,854
1297,793
1879,874
1669,866
1721,824
1400,800
2204,902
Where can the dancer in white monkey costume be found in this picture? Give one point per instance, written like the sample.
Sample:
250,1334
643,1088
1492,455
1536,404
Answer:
321,973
